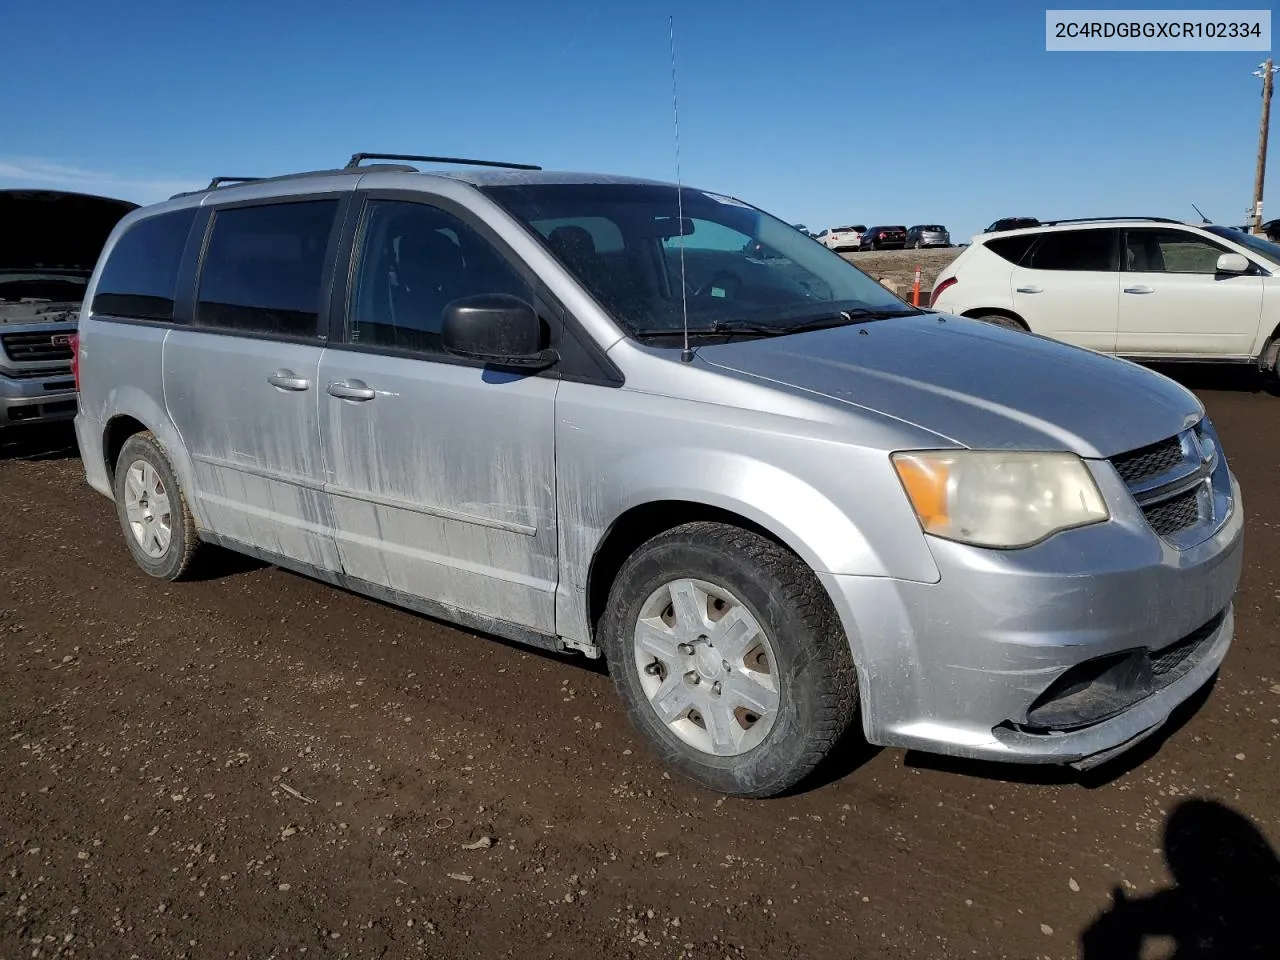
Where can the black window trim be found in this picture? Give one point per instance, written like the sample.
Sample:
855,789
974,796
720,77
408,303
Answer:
1253,270
332,250
193,231
1029,254
581,359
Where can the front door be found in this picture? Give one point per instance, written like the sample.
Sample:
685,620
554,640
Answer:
440,472
1067,287
241,382
1173,302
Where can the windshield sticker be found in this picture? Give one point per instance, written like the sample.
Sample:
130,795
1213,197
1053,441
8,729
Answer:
727,200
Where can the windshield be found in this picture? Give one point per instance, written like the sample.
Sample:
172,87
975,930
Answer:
35,287
623,243
1258,245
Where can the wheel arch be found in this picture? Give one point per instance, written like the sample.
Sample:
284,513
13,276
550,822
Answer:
644,521
115,433
975,313
134,411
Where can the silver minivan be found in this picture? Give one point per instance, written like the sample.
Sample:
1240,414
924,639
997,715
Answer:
655,424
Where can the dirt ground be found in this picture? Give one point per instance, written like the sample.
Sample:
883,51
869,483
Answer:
899,266
257,765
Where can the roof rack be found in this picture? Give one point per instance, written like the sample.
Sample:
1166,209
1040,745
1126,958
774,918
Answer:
354,162
218,181
1054,223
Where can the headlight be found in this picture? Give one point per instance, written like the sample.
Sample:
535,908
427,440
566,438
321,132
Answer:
993,498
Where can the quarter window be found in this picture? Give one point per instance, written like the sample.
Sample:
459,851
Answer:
264,269
1170,251
413,260
1075,250
141,273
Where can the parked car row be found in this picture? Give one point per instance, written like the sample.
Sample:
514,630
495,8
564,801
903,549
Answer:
861,237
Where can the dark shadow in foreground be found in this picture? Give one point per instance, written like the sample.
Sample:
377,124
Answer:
1222,904
1234,377
1047,774
28,442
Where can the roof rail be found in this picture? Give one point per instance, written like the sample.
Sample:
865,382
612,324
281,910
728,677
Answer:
1054,223
218,181
354,162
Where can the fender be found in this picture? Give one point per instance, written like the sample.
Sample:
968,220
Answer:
810,523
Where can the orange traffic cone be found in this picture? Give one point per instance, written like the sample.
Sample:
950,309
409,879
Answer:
915,289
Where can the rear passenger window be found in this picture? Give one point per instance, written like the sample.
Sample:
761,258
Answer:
264,269
1075,250
1012,248
413,259
141,273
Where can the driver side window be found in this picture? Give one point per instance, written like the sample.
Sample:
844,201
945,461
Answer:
1170,251
413,259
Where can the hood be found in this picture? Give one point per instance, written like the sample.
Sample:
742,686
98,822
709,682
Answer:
973,383
55,230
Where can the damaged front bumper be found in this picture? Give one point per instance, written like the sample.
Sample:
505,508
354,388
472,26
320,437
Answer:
1070,652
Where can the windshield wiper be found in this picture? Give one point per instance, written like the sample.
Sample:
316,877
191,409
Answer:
840,318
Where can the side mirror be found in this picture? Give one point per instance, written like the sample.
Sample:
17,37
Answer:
1233,263
498,329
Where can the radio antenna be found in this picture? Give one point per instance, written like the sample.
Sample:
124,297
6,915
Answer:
686,355
1203,218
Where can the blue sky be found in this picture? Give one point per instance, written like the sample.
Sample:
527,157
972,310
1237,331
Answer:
821,112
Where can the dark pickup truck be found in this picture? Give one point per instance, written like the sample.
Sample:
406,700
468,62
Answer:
49,244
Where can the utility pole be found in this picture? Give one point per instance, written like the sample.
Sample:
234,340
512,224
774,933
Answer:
1265,71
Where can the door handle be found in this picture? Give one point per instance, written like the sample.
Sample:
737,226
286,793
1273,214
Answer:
288,380
1139,290
352,390
1031,290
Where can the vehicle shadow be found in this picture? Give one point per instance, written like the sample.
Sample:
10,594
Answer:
1237,378
1222,902
217,563
1054,775
57,442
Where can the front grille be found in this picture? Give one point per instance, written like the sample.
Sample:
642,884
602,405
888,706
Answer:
1142,464
61,370
1175,514
36,347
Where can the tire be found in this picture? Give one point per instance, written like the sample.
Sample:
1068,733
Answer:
1000,320
143,475
749,581
917,244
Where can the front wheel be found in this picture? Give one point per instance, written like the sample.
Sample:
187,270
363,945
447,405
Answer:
730,658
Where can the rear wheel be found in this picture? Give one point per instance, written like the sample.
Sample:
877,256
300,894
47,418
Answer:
158,526
729,658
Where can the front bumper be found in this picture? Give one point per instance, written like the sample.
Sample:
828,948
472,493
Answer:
994,661
37,399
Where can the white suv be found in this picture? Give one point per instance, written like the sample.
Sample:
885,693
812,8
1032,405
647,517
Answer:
1144,288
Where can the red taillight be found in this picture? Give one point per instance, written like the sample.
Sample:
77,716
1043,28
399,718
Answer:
937,291
75,359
